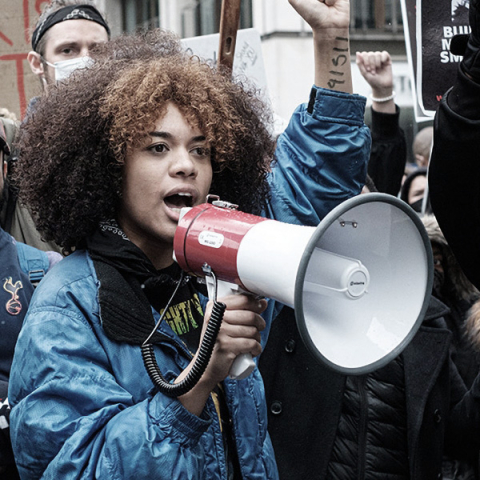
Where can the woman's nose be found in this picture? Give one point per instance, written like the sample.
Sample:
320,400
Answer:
183,164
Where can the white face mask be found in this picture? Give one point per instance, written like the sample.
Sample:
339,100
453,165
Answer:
65,68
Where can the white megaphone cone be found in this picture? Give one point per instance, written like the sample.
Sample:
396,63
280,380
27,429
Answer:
359,283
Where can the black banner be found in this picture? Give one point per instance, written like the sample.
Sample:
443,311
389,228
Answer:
437,23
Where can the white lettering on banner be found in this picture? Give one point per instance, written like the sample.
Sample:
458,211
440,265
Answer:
448,57
446,43
448,33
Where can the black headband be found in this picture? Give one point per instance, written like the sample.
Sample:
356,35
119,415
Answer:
72,12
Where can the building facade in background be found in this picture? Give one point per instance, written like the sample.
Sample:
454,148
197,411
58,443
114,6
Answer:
286,44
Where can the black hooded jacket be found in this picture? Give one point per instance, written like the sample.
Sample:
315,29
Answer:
454,173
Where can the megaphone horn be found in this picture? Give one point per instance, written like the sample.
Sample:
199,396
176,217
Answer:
359,282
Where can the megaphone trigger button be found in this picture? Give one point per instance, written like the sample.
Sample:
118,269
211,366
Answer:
290,346
276,407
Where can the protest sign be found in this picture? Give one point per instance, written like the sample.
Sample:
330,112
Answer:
437,22
429,28
247,64
248,61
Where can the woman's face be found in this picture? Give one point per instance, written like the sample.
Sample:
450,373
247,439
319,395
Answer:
170,171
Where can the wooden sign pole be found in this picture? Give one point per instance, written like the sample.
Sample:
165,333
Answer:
229,23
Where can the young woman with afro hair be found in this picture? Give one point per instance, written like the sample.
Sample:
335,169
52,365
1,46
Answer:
105,164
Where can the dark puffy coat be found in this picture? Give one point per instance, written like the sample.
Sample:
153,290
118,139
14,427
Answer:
305,400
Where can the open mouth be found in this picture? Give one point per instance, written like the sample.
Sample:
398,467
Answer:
179,200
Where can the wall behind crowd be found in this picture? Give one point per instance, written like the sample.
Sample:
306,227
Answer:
17,18
279,52
18,82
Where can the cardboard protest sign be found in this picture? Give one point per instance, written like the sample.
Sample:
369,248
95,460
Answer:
248,61
247,64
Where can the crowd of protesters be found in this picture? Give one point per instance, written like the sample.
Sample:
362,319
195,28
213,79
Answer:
132,129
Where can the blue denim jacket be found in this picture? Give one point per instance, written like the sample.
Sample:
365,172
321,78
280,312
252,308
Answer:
84,406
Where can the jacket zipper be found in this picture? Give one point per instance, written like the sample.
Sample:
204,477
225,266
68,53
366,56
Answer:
362,426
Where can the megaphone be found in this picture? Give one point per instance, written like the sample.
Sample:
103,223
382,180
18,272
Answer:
359,282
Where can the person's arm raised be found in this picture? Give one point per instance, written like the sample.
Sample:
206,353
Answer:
329,20
376,69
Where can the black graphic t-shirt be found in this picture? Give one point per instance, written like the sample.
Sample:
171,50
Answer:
185,315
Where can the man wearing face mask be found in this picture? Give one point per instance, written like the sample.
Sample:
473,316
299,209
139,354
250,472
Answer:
64,35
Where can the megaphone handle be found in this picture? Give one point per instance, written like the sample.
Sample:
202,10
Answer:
243,365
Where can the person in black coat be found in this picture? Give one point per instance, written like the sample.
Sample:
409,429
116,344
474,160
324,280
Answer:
400,421
396,422
388,156
454,174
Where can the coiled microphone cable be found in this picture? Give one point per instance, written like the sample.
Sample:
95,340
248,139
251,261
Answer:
204,353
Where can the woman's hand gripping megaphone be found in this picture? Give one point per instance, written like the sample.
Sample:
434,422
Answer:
244,328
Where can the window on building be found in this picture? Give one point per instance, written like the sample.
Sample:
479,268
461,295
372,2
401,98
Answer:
383,15
202,17
140,14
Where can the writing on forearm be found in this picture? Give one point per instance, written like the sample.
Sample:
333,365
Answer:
339,60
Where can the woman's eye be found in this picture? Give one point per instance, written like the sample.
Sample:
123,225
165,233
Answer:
158,148
202,151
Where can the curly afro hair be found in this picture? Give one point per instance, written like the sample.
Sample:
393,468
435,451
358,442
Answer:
72,146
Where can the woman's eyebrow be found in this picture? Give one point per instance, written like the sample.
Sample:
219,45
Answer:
161,134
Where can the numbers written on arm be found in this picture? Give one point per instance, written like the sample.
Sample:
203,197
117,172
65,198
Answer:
338,61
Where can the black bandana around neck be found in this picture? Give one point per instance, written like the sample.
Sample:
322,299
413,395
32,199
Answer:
130,285
111,245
